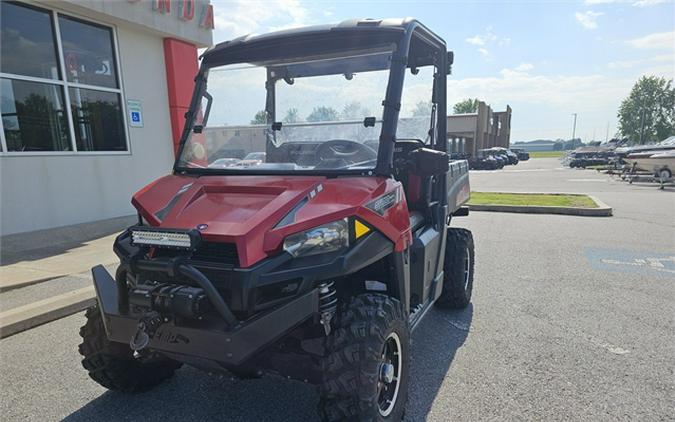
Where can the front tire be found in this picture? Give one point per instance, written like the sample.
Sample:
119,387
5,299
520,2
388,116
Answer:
114,366
366,365
458,270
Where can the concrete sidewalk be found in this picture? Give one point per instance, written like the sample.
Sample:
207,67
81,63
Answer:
45,275
30,258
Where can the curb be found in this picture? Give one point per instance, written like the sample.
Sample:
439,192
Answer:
25,317
5,287
603,210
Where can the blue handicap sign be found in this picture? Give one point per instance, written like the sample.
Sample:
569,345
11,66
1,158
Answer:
620,260
135,116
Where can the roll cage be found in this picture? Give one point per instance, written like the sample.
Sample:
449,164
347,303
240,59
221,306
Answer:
412,44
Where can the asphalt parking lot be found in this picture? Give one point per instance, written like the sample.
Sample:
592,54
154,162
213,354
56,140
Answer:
572,319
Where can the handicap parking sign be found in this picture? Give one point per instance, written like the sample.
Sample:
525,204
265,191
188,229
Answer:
615,260
135,111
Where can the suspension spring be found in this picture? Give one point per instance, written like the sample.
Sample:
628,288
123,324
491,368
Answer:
327,297
327,304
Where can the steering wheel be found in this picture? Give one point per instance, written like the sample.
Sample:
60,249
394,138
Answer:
345,149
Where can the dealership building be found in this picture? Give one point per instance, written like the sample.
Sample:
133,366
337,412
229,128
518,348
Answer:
93,97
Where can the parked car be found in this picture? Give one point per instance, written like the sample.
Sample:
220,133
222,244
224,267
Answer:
501,159
252,159
521,153
511,157
224,162
482,161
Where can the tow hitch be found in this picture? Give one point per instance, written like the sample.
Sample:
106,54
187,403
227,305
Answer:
147,326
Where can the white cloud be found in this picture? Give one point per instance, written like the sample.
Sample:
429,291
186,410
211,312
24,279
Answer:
524,67
516,85
487,39
541,103
504,41
627,64
656,41
638,3
477,40
588,19
242,17
647,3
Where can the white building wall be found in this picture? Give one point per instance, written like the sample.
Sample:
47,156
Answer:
38,192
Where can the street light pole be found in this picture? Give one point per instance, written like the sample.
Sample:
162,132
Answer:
574,128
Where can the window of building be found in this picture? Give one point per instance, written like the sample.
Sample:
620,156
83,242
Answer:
59,85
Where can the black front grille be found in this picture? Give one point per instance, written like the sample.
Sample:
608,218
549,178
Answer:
207,252
221,253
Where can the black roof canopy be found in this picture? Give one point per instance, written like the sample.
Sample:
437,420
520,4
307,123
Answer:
325,41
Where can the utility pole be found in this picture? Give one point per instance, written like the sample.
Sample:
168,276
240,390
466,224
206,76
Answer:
607,133
574,128
642,125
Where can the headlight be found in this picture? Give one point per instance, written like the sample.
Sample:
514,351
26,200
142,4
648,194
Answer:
326,238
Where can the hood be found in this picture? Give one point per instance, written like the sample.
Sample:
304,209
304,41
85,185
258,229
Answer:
253,211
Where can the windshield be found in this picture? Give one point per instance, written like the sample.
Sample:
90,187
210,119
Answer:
321,114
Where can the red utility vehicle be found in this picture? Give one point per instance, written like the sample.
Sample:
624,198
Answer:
315,260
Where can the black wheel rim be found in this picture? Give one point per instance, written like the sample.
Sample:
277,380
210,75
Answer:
389,374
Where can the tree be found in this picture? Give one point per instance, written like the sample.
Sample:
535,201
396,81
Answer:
648,113
466,106
422,108
323,114
572,143
354,111
260,118
292,116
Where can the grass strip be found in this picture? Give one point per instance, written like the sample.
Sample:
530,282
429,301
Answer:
532,199
547,154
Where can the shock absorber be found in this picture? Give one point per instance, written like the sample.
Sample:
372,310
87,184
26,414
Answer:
327,304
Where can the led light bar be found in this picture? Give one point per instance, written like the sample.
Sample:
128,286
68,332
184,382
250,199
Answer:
162,239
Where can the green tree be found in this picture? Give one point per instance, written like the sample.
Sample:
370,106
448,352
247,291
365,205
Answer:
422,108
323,114
468,105
354,111
648,113
260,118
292,116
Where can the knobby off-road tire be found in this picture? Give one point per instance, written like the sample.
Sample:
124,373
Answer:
113,364
457,270
367,332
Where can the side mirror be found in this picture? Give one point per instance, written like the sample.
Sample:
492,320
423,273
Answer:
451,60
429,162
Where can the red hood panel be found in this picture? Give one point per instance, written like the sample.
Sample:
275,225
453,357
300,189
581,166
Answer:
246,209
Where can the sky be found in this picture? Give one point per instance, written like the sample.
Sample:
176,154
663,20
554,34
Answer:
545,59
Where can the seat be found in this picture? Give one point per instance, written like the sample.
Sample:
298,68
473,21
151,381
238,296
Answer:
417,188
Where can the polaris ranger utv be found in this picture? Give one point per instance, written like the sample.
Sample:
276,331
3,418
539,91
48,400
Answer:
316,260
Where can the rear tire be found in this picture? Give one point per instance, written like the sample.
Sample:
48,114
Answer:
114,366
665,174
457,270
371,332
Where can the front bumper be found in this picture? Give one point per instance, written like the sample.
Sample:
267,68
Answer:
209,339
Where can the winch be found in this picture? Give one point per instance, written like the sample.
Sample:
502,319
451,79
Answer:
174,299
